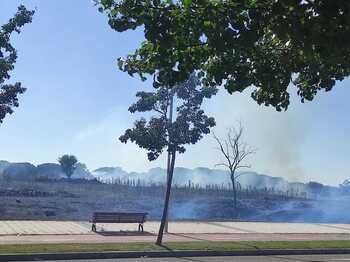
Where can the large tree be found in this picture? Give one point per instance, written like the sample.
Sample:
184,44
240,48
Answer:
172,128
262,44
69,164
8,56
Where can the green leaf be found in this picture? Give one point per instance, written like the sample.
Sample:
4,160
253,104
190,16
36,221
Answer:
187,3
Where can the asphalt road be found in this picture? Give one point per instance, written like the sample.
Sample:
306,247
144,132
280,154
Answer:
308,258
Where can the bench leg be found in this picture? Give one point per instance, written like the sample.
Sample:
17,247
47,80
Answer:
93,227
140,227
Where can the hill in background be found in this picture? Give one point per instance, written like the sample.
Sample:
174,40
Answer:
28,171
199,176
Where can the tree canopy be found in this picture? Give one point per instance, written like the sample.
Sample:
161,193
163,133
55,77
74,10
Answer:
8,56
188,127
265,44
170,129
69,164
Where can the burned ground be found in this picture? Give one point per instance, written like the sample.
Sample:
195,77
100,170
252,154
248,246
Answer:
77,200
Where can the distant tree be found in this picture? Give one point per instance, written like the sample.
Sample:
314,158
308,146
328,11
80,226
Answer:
68,164
171,129
8,57
315,187
345,186
235,152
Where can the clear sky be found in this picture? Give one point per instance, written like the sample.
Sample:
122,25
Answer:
77,103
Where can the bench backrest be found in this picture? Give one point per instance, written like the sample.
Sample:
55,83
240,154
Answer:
116,217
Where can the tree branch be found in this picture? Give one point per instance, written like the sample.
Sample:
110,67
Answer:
234,150
222,149
222,164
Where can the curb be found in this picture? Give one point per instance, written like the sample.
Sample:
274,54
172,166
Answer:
158,254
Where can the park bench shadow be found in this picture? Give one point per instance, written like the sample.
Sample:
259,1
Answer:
124,233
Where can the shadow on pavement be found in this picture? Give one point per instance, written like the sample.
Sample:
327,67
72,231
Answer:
187,236
294,259
230,227
190,259
123,233
334,226
182,258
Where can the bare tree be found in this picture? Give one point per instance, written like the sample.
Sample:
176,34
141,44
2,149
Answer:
235,152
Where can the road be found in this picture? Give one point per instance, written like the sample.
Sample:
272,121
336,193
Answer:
308,258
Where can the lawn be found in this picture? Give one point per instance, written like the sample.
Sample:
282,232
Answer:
173,246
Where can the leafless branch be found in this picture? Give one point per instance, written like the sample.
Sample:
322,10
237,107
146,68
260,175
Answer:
222,164
158,110
225,153
234,150
244,166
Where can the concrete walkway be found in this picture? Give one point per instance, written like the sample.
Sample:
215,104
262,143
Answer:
84,228
20,232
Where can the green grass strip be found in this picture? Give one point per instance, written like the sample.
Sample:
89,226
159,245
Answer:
174,246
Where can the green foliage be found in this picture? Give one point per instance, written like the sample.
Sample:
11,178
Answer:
262,44
68,164
188,127
167,131
8,57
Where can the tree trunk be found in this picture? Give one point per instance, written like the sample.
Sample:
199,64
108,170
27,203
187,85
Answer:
167,198
169,153
166,228
234,193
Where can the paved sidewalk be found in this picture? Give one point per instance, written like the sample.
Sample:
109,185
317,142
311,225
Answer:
20,232
84,228
28,227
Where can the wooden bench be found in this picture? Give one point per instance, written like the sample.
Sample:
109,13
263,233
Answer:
115,217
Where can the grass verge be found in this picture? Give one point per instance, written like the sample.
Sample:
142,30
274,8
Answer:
173,246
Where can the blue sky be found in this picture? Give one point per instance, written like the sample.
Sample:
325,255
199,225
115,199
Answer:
77,103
